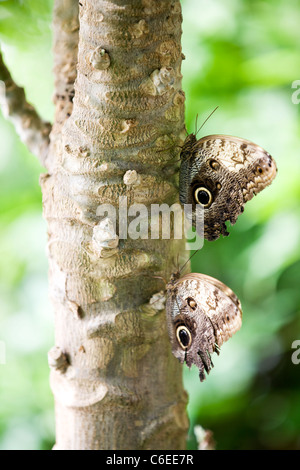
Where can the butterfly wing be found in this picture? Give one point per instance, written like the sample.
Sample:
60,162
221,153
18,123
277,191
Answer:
221,173
220,304
202,314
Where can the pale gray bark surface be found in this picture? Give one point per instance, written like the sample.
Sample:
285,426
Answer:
116,383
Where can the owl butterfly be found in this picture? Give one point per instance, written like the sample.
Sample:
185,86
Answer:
202,313
221,173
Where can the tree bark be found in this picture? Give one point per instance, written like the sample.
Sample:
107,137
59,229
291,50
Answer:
115,381
65,52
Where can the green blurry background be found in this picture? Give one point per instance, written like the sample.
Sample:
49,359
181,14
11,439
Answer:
241,55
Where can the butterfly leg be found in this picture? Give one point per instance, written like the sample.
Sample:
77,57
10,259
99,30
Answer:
217,349
206,360
211,362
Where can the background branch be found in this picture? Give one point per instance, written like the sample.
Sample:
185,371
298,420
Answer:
33,131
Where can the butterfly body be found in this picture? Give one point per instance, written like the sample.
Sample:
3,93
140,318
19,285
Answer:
202,313
221,173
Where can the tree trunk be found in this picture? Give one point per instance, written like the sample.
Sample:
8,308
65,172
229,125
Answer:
115,381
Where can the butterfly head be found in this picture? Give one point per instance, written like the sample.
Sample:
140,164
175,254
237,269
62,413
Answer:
188,146
173,279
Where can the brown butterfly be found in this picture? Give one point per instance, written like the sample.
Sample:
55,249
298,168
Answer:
220,173
202,313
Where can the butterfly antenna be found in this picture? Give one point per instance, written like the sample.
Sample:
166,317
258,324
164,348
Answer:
182,267
196,122
197,131
206,120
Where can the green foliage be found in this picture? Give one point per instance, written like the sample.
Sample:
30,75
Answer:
241,55
23,20
26,402
26,41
